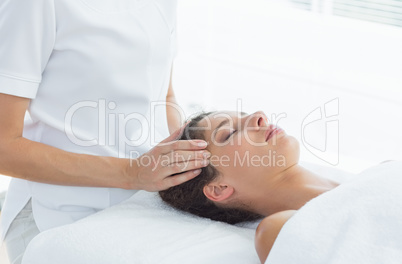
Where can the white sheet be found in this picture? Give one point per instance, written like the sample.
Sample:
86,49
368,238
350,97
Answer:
144,230
358,222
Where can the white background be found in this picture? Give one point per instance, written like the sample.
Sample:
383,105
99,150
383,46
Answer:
278,59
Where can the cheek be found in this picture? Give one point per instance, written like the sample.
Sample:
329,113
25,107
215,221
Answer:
223,158
246,160
274,157
287,149
288,144
244,174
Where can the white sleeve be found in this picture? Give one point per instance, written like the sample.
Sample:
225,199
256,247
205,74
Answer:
174,42
27,35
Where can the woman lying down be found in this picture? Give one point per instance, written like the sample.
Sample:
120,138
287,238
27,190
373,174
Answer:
253,173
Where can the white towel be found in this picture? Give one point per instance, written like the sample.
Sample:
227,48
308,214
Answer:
143,232
358,222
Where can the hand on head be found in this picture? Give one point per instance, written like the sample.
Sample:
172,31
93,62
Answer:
171,162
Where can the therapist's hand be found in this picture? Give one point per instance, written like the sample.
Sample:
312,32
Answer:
171,162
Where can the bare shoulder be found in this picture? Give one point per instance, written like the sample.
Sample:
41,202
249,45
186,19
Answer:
278,218
268,230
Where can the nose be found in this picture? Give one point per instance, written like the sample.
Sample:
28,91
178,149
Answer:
258,120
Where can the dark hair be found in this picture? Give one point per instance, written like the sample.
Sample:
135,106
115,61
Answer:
189,196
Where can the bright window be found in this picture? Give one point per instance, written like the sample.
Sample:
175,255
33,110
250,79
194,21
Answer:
380,11
282,59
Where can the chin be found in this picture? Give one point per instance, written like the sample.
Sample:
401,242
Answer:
289,148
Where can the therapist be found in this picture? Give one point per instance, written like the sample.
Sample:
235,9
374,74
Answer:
95,77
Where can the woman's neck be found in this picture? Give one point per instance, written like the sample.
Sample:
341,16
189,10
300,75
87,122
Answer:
294,188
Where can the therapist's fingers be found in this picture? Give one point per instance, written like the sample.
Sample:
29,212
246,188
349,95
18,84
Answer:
151,173
180,178
195,144
172,142
158,169
184,156
182,172
180,167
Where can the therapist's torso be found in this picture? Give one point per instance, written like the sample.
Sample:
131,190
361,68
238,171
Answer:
98,80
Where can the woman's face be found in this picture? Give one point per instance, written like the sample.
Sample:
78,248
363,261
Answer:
248,152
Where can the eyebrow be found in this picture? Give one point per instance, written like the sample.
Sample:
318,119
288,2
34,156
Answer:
224,122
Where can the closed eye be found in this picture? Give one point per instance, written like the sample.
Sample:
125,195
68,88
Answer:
230,134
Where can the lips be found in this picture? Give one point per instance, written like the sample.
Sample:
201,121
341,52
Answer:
271,131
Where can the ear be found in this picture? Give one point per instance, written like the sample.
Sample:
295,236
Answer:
218,192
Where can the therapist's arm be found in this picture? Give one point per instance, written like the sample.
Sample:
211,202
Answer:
172,108
26,159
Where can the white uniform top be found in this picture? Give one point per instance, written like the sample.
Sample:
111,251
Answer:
98,73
